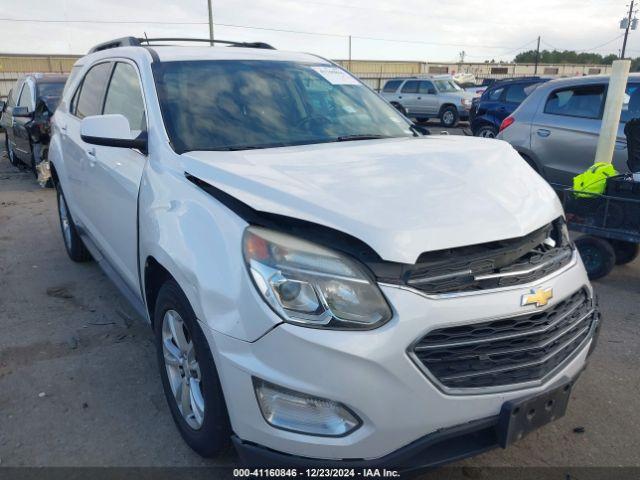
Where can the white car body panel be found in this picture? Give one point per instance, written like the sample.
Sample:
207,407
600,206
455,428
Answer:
425,197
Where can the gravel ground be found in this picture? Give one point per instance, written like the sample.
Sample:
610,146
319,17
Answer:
79,384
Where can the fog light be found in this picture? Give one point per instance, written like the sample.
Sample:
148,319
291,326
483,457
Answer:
294,411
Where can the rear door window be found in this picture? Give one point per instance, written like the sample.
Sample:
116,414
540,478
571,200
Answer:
410,87
516,93
584,101
426,87
391,86
92,90
495,94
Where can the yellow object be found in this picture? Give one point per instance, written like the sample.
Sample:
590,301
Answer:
538,297
594,180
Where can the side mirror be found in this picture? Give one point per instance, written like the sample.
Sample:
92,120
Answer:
20,112
111,130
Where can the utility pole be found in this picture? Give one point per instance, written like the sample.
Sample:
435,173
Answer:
535,69
627,27
210,22
350,53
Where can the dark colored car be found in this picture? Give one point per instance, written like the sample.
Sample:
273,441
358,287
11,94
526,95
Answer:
498,102
27,115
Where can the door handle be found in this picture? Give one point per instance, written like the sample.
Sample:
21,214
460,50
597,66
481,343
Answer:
63,128
419,98
543,132
399,96
91,152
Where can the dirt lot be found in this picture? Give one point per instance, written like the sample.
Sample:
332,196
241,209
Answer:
79,383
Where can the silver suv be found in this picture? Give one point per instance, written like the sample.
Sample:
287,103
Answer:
432,96
556,128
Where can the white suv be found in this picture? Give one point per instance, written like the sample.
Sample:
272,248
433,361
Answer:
326,286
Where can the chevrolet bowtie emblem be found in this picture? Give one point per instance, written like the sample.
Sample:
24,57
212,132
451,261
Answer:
538,297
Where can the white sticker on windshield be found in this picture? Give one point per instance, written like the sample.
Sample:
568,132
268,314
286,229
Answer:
336,76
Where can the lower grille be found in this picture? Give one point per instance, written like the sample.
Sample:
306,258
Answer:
508,351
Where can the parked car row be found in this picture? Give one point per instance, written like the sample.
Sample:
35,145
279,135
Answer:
26,119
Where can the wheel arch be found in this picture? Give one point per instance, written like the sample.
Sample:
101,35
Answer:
446,105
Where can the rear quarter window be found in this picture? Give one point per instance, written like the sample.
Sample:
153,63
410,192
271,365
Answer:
391,86
584,101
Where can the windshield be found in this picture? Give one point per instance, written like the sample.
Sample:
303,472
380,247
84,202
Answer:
50,89
446,86
242,104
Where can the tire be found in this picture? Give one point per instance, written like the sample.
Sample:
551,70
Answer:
72,241
597,255
205,426
626,252
487,131
11,155
422,119
449,116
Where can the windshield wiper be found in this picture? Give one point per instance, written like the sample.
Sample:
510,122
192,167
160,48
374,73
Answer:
351,138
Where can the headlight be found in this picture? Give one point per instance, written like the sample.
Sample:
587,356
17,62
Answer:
310,285
465,102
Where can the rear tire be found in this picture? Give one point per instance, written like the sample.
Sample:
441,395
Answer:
72,242
626,252
598,256
191,380
422,119
487,131
449,116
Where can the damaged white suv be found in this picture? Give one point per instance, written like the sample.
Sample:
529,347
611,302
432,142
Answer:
326,285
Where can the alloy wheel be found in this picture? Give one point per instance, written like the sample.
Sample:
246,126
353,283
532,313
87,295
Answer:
182,369
448,118
487,133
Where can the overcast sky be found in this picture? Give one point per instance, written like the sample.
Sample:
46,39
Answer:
432,30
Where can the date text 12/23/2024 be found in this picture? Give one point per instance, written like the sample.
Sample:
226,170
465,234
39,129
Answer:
316,472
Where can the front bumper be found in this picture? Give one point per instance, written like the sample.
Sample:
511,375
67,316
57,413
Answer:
433,450
371,373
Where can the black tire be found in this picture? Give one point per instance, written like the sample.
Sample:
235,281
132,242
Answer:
72,242
214,434
597,255
449,116
422,119
487,131
626,252
11,155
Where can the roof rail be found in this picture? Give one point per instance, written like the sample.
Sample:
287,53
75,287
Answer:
137,42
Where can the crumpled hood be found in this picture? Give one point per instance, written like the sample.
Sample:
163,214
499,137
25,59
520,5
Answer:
402,196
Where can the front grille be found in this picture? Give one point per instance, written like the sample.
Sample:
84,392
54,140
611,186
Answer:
508,351
493,265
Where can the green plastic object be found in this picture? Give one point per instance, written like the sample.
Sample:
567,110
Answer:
593,181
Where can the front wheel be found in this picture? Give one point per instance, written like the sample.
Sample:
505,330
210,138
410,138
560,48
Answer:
72,241
449,116
189,377
598,256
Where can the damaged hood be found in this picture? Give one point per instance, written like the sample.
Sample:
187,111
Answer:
401,196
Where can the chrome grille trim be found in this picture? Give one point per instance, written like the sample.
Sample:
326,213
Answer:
528,365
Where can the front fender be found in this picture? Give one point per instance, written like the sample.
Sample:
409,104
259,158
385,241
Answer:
198,240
